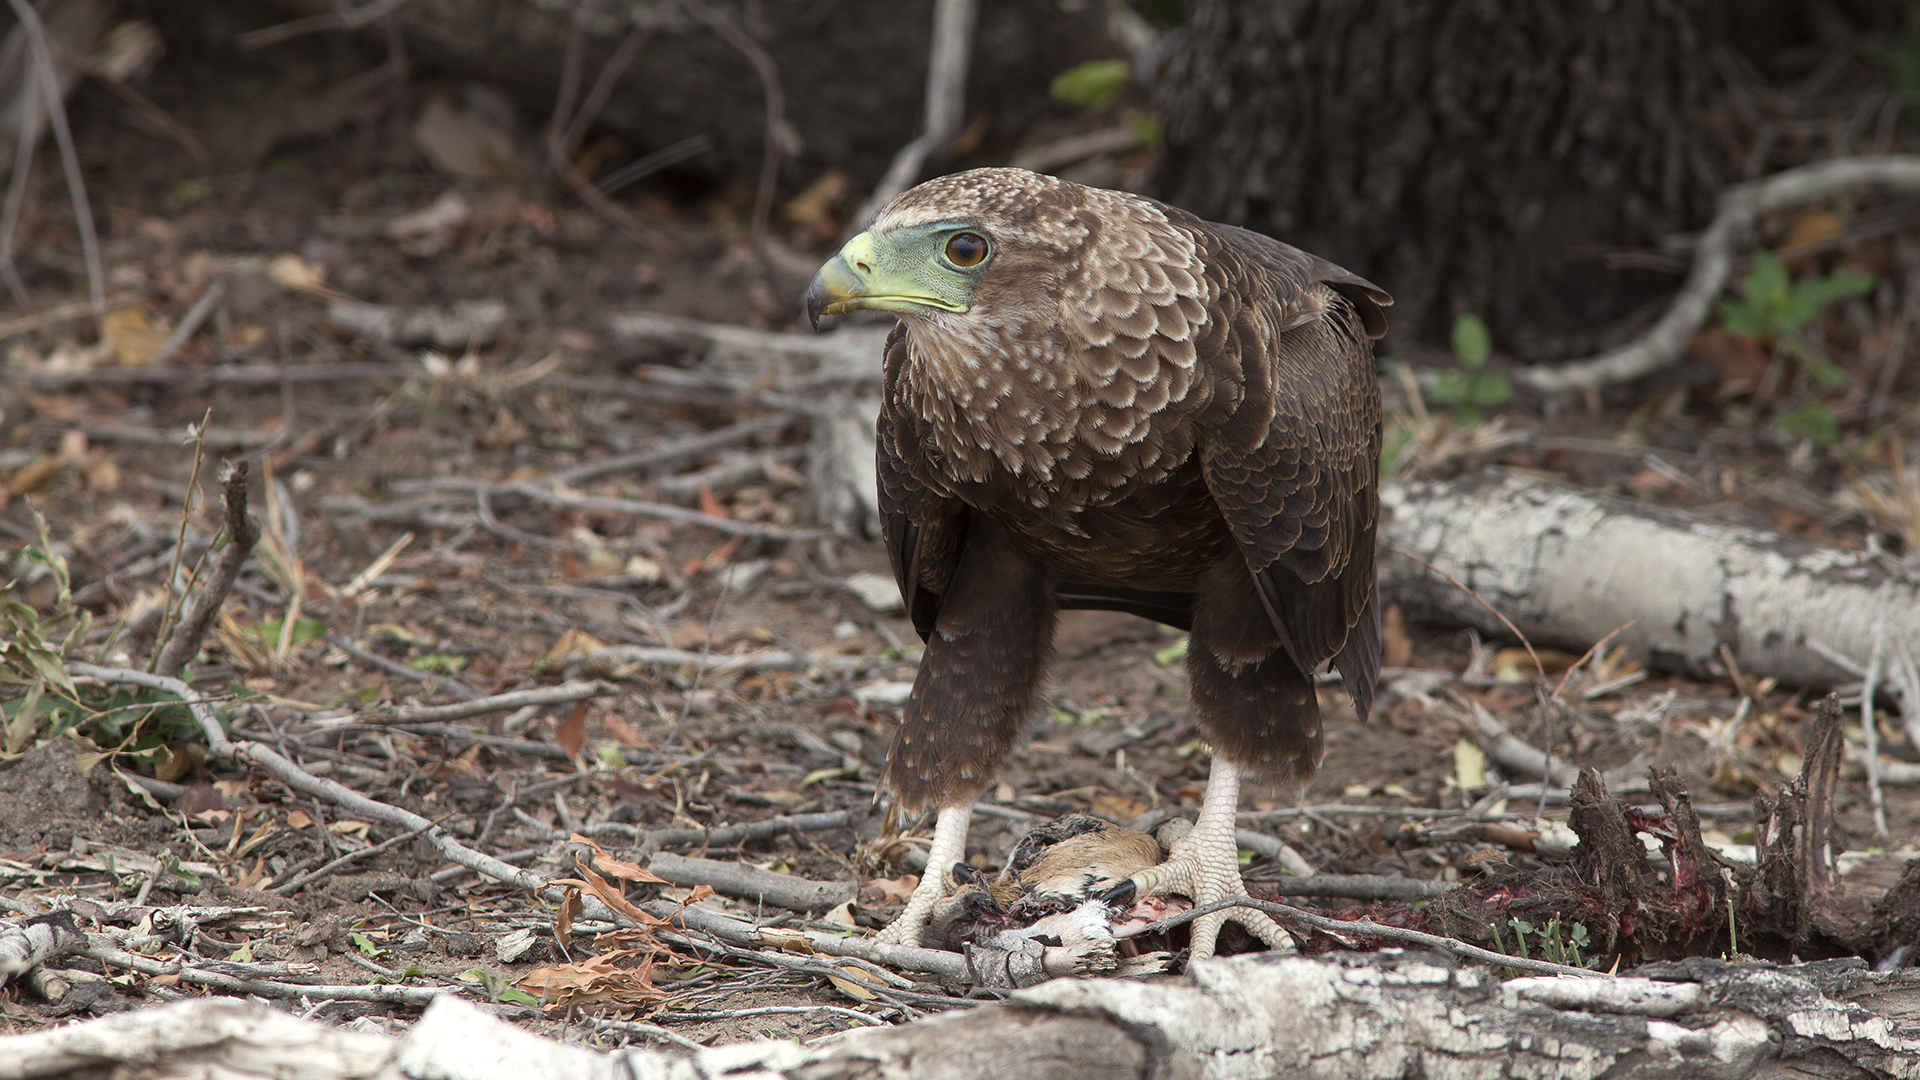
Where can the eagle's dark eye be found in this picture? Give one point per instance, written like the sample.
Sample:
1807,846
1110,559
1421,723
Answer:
966,249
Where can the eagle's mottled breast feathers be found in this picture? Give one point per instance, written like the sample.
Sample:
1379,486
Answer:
1077,371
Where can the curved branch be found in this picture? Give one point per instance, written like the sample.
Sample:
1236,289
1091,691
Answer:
1733,227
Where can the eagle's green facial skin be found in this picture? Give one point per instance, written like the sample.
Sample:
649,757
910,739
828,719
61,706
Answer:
906,270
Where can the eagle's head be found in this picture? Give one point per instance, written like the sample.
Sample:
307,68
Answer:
1041,315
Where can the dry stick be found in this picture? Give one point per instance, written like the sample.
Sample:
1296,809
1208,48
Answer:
240,375
1869,729
544,695
1546,720
141,103
170,612
946,105
1734,223
603,84
69,160
17,192
341,20
190,323
350,857
1368,927
776,120
198,612
375,660
277,766
559,146
668,452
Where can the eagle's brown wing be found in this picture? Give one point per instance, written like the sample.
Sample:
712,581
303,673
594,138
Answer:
1295,469
922,528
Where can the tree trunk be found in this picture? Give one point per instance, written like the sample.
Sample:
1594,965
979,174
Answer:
1377,1016
1461,155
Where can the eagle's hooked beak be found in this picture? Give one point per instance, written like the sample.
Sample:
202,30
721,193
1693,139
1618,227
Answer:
836,288
896,271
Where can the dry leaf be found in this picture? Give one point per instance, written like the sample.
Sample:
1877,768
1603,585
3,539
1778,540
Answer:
573,640
290,271
851,983
131,335
298,819
572,732
1396,647
624,733
882,892
613,867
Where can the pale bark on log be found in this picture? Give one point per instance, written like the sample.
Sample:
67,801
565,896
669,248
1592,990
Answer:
1387,1015
1569,568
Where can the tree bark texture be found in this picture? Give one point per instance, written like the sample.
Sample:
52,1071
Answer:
1387,1015
1457,154
853,71
1569,568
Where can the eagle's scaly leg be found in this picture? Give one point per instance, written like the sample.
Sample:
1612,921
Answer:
1205,866
949,847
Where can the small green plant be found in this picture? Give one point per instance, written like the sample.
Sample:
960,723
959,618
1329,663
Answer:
1775,307
1095,84
1566,950
1472,388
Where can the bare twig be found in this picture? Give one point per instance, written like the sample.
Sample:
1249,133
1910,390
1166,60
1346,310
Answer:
316,24
545,695
298,779
170,611
1870,733
563,136
141,103
190,323
639,507
350,857
776,119
1741,208
946,106
371,659
662,454
56,109
1367,927
752,883
198,612
1359,887
728,835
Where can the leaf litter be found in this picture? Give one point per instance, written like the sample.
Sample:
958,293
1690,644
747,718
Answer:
436,531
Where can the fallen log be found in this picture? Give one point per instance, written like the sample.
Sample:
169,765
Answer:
1683,591
1389,1015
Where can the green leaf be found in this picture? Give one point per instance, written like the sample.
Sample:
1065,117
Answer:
1742,317
1490,388
366,946
1472,344
1767,283
1147,128
439,661
304,630
1449,389
1814,421
1176,651
1092,85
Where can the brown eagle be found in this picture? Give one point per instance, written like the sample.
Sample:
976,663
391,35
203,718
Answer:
1094,400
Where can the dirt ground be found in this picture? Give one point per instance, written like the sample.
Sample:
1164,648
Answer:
297,214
